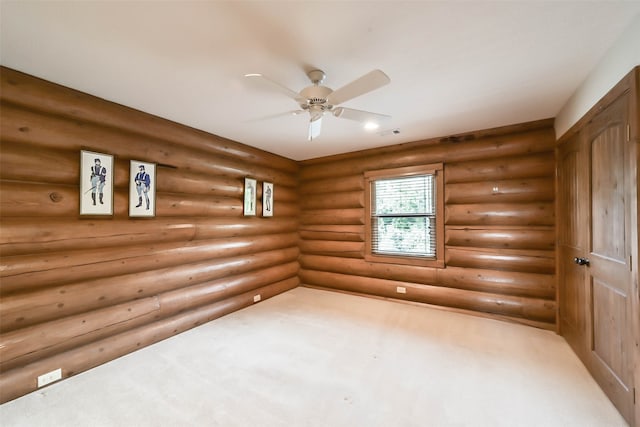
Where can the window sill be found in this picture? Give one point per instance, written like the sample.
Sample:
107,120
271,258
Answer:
403,260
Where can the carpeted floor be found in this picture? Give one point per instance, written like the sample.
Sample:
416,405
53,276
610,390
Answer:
318,358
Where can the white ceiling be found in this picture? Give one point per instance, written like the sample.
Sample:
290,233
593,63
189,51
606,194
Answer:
454,66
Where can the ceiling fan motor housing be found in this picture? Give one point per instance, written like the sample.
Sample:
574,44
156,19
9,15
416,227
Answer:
316,95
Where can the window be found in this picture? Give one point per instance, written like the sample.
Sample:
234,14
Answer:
404,215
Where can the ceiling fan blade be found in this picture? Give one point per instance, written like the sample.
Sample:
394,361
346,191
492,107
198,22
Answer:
370,81
282,89
275,116
314,128
359,115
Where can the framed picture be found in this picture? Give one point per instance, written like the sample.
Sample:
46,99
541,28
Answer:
267,199
96,183
249,196
142,189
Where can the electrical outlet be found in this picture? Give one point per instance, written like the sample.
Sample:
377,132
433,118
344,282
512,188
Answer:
401,290
49,377
257,298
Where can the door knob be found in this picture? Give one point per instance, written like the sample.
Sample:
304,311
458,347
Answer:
581,261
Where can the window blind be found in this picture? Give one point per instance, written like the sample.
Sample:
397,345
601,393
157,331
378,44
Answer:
403,218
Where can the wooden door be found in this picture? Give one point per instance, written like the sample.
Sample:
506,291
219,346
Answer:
608,272
573,221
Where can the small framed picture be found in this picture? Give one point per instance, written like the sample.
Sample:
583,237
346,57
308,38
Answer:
267,199
250,196
142,189
96,183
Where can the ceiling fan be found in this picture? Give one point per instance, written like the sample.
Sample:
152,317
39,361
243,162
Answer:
318,100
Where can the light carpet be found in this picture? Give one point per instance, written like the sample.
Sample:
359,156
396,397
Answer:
317,358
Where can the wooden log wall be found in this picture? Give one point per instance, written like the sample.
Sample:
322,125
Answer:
499,224
80,291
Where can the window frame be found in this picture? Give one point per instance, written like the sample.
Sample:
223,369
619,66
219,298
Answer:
436,169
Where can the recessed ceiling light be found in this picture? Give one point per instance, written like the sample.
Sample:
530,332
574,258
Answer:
371,126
